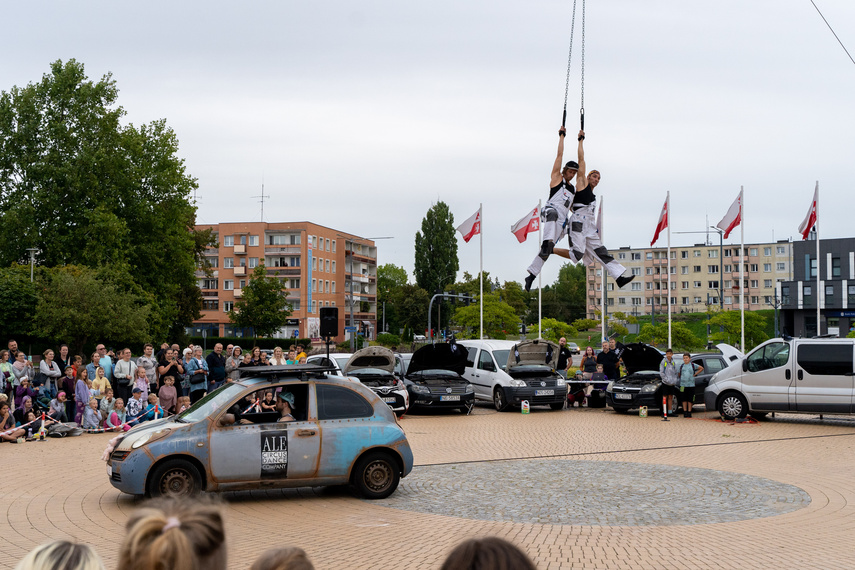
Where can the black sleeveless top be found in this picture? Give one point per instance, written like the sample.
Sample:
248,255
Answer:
584,197
561,185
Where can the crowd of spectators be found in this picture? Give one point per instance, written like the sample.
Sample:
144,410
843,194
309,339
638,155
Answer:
115,390
189,535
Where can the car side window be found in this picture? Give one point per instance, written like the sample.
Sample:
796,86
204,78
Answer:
712,365
825,359
485,362
338,403
470,356
773,355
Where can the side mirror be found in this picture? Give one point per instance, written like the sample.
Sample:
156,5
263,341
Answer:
745,365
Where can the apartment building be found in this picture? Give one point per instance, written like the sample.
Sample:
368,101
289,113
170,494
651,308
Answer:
701,275
318,267
836,293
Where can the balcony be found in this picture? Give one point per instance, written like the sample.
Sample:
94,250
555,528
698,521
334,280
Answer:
240,271
282,250
238,293
283,271
209,294
239,249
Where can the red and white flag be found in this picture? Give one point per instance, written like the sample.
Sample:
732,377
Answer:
471,227
733,217
528,224
810,219
663,223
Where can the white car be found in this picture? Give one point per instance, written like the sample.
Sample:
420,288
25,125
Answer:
374,367
508,373
336,360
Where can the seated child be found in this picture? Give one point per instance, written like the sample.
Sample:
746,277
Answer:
92,415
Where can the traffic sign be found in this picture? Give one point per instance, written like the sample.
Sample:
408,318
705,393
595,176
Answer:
349,329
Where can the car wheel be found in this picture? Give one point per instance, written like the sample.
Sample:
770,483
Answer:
176,478
732,406
621,410
557,406
499,400
376,476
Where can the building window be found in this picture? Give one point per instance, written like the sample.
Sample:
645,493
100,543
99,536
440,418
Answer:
728,284
767,251
636,256
712,253
333,266
767,283
649,255
696,268
829,295
753,252
636,270
314,305
332,287
685,284
767,267
327,261
649,271
807,291
328,244
684,255
780,250
228,306
621,256
621,301
228,262
228,241
685,301
753,267
754,284
636,300
712,284
697,284
253,262
242,283
835,267
228,285
712,268
781,266
253,240
210,304
728,268
314,264
727,253
636,286
755,300
697,253
333,246
243,240
728,300
851,295
294,284
314,285
326,286
213,262
209,284
294,261
684,270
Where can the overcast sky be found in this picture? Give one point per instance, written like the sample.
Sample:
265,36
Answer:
361,115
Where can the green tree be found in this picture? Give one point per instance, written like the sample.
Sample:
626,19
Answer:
500,319
263,305
564,300
553,329
79,305
390,278
682,337
18,298
731,323
585,324
86,190
411,302
436,262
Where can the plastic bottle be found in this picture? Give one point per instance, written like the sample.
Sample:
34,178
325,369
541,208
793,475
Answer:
525,407
29,433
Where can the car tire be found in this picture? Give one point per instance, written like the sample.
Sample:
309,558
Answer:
557,405
176,478
376,475
732,406
499,400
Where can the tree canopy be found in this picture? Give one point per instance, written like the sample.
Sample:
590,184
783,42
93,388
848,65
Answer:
565,300
436,262
682,337
500,319
85,190
262,305
731,322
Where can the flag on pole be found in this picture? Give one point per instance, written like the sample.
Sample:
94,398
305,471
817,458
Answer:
471,226
809,221
733,217
663,223
528,224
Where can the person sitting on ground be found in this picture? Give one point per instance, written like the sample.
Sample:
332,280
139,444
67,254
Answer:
283,558
21,412
178,535
57,408
100,384
490,553
108,402
35,422
24,390
268,404
92,415
8,431
118,416
61,555
136,405
153,411
600,371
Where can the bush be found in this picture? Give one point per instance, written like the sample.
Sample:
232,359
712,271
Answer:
388,339
345,346
585,324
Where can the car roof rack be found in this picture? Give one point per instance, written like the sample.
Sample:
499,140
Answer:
274,373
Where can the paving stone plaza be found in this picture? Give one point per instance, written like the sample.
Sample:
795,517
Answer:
575,489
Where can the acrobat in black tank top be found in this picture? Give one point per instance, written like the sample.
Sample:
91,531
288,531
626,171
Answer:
584,197
561,185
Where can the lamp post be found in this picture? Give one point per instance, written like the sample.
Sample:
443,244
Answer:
32,251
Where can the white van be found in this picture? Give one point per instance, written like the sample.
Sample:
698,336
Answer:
813,375
508,373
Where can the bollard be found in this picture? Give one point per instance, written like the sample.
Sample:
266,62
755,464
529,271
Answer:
664,408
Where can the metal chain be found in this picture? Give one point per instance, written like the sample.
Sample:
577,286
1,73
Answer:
582,110
570,54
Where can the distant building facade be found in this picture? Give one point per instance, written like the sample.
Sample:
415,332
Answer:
702,275
835,295
318,267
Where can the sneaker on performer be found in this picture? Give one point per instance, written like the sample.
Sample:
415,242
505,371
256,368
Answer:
623,280
528,281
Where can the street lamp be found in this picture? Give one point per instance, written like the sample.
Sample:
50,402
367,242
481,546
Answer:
32,251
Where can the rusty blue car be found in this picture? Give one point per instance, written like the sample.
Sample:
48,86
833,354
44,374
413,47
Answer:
335,432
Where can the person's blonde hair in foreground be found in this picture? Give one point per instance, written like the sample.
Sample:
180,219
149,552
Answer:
61,555
491,553
174,535
285,558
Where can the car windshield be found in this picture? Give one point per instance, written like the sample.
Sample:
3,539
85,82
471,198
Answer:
341,360
214,401
501,357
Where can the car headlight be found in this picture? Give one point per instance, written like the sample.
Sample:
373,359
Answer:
419,389
469,388
560,380
649,388
713,378
518,383
609,386
141,441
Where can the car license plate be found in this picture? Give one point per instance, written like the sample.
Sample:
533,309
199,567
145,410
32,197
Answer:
389,400
544,392
109,470
623,396
449,398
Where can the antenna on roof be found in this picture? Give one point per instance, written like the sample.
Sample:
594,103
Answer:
262,197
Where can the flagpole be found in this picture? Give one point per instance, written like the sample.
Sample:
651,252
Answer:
481,241
668,214
602,278
816,229
539,295
742,267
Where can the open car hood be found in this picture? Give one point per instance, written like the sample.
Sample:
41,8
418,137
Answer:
638,356
442,356
730,353
532,352
371,357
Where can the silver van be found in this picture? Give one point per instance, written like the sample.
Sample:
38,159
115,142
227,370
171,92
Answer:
813,375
